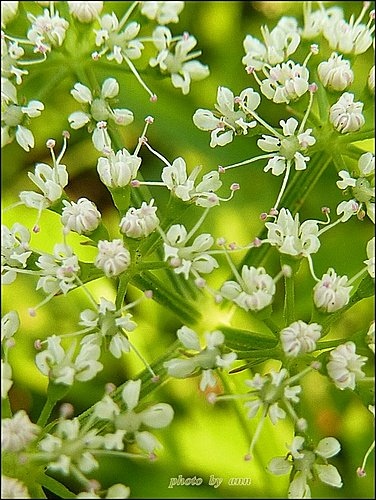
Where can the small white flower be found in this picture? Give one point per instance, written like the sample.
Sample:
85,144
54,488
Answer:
291,237
118,169
109,325
129,421
286,82
9,11
18,432
179,63
113,258
346,115
315,22
14,250
116,44
361,186
82,217
370,262
58,271
14,116
345,366
70,445
254,292
351,37
47,30
10,323
85,12
306,464
59,366
270,391
232,115
204,361
279,44
139,222
188,258
177,180
332,292
162,12
288,149
10,486
97,110
299,338
335,73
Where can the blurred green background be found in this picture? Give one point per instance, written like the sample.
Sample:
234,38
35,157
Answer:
202,440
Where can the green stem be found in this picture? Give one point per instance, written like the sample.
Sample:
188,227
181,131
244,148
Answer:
289,306
46,411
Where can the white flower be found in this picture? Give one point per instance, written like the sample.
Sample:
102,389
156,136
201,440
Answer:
269,391
10,486
18,432
346,115
6,379
279,44
288,149
97,111
47,30
286,82
118,169
162,12
14,116
139,222
205,360
299,338
109,325
9,11
82,217
305,464
59,366
177,180
59,270
335,73
10,323
129,421
118,45
192,258
71,445
232,115
113,258
361,187
351,37
291,237
85,12
179,63
370,262
332,292
50,180
345,366
14,250
315,22
253,292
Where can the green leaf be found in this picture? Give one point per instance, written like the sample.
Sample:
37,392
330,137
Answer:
178,304
246,341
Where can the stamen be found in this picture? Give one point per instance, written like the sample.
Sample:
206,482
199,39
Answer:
32,310
155,377
257,433
158,155
310,262
245,162
284,184
198,224
153,96
148,121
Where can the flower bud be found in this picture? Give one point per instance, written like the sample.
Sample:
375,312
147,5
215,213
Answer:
335,73
82,217
113,258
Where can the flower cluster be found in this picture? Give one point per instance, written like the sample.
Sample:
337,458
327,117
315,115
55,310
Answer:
258,322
